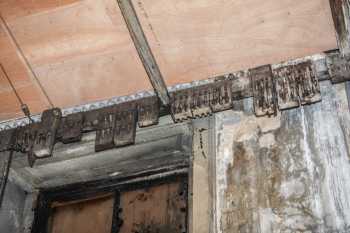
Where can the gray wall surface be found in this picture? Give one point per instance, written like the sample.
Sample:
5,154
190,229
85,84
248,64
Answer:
12,210
285,174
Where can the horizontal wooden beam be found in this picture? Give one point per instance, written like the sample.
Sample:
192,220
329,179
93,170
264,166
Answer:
118,121
241,88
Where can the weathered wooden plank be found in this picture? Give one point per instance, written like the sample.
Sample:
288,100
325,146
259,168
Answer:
155,150
84,217
145,52
341,18
21,77
200,183
81,52
160,208
194,40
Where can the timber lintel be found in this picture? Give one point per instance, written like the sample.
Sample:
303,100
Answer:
273,87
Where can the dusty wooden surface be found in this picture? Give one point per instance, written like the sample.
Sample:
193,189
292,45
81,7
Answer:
285,174
166,146
193,40
85,217
201,212
81,51
340,12
157,209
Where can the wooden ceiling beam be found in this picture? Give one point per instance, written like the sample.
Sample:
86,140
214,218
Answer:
144,50
341,17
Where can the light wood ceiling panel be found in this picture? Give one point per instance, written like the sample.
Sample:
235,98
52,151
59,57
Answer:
26,86
10,105
12,9
81,52
196,39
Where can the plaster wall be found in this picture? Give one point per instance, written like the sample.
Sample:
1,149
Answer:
11,213
285,174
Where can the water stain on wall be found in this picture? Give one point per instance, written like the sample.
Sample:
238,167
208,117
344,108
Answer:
286,174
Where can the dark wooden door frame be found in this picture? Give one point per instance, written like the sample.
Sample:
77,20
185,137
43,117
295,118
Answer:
171,148
88,190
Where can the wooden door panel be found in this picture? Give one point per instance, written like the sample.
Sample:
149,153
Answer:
94,216
155,210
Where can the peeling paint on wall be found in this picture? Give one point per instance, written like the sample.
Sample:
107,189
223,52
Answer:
285,174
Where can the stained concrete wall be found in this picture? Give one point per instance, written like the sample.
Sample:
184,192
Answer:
282,174
11,213
285,174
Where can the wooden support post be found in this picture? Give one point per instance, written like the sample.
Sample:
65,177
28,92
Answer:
143,49
341,17
5,159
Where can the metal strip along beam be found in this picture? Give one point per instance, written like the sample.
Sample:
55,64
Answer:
341,17
144,50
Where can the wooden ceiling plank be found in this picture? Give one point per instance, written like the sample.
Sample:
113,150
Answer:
340,12
195,40
9,104
81,52
20,8
24,60
18,74
143,49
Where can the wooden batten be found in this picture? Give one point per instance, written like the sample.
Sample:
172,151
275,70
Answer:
144,51
341,17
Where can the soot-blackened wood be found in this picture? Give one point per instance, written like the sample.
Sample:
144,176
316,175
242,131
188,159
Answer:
161,208
338,67
117,222
192,103
125,128
340,13
42,214
264,93
71,128
106,128
91,189
45,136
148,110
